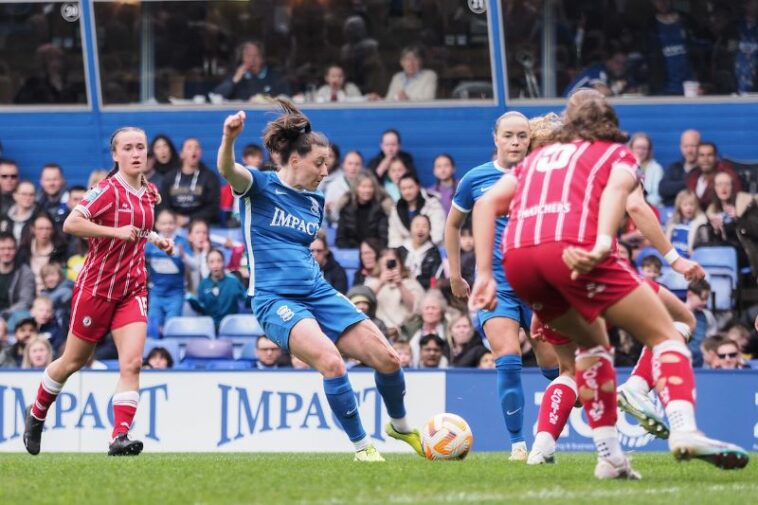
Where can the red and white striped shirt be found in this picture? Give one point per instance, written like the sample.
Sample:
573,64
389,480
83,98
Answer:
559,189
115,269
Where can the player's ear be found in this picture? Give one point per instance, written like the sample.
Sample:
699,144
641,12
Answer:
294,160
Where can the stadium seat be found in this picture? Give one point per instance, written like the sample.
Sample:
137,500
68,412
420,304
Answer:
350,273
228,364
664,213
473,90
719,261
647,251
239,325
189,327
347,258
331,235
248,352
172,346
675,282
209,349
721,292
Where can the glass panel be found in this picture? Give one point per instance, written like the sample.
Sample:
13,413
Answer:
41,59
194,52
631,47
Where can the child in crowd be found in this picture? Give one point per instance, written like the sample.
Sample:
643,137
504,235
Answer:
196,255
444,187
688,226
698,293
403,349
220,294
166,275
57,289
651,267
48,325
38,353
158,359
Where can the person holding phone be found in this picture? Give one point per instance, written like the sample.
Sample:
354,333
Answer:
397,293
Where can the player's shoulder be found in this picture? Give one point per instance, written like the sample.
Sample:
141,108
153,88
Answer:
479,172
98,190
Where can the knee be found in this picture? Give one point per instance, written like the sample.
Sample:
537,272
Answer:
332,366
130,366
390,362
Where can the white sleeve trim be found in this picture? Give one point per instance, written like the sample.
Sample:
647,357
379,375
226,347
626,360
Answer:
465,211
247,189
83,210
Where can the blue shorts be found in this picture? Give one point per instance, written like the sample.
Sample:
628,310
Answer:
508,305
333,312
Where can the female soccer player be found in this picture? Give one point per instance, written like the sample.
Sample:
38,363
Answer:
280,213
567,202
111,290
501,325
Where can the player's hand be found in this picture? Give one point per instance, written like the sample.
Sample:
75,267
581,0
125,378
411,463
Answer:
166,245
460,287
537,330
484,293
690,269
581,261
128,233
234,124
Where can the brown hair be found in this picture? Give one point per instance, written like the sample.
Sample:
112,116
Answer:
143,180
291,132
542,130
591,118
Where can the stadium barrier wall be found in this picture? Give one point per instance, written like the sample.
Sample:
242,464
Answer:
281,411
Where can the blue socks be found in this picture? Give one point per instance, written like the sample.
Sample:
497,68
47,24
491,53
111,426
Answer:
550,373
392,388
341,399
511,394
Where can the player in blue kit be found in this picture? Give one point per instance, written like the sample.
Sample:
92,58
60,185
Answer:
280,213
501,325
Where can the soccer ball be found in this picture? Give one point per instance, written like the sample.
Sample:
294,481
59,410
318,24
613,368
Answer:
446,436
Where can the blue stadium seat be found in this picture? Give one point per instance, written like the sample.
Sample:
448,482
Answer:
647,251
347,258
218,234
719,261
248,352
350,272
228,364
189,327
209,349
331,235
172,346
665,213
675,282
722,290
239,325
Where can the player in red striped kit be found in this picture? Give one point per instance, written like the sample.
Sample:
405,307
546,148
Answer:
111,290
566,201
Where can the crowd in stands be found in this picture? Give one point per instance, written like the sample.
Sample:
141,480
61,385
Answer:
381,246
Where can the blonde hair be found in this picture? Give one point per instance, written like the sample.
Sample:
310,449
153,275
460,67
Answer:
683,195
506,115
542,129
95,177
26,362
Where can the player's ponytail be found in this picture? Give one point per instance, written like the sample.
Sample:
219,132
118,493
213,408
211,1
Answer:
291,132
151,189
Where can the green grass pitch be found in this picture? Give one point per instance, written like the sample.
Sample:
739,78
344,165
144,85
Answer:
334,479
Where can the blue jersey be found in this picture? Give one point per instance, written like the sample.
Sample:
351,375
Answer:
166,273
673,42
472,187
279,223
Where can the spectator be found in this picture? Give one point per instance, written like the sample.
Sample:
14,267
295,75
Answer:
370,249
688,226
193,190
746,60
398,169
700,180
396,292
53,196
445,181
698,293
220,294
468,256
674,177
37,354
414,82
42,244
95,177
415,201
8,183
390,148
57,288
253,76
336,89
708,348
430,320
165,154
332,167
267,354
651,267
728,355
158,359
3,334
48,325
422,258
333,272
642,147
744,339
730,220
360,57
151,174
166,275
465,344
609,78
50,83
363,214
196,256
252,156
431,354
21,212
343,180
669,41
25,330
75,196
17,287
403,350
365,300
486,360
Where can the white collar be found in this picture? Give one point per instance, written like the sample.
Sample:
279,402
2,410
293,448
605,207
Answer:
129,187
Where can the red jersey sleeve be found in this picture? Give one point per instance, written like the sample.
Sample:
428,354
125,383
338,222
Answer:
624,159
97,200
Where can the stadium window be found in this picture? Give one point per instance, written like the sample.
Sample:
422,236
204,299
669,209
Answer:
185,52
630,49
41,58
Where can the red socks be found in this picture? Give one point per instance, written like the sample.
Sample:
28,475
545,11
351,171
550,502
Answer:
672,371
46,394
596,383
644,367
124,408
557,402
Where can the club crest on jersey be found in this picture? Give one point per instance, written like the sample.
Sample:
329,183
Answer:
87,321
594,289
315,206
285,313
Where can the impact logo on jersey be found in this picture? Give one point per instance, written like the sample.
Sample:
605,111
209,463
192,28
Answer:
287,220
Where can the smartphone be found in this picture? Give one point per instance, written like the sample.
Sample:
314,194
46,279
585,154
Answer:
391,264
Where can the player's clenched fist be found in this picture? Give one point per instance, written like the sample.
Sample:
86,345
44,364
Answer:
234,124
128,233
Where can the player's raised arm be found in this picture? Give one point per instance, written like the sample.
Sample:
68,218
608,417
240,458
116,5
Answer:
237,175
